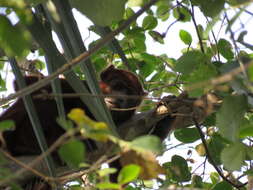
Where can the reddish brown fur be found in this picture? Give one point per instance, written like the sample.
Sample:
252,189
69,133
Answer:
22,141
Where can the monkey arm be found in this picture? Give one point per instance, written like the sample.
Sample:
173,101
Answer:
169,114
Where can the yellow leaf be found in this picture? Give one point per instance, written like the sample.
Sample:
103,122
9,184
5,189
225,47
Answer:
100,126
77,115
92,129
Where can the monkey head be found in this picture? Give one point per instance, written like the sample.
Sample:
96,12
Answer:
121,84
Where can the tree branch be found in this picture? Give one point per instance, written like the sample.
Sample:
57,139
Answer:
178,109
208,154
79,58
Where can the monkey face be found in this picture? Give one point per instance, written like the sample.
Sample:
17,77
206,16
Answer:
125,87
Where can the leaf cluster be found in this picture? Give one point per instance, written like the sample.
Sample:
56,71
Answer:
209,62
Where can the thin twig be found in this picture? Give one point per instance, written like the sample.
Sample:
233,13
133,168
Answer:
195,25
235,46
22,164
78,95
210,158
215,40
95,166
229,76
246,11
37,160
197,30
166,86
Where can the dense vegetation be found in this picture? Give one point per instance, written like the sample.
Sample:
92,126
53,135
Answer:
218,64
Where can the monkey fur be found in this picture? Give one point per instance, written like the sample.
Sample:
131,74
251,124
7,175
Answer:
22,140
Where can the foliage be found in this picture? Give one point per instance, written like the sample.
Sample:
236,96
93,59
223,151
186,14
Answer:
215,58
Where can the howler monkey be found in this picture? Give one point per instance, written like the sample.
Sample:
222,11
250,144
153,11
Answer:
22,140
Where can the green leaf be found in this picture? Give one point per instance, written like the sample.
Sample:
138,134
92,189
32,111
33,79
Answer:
139,45
35,2
146,68
197,181
210,8
156,36
189,61
72,152
222,186
135,3
128,13
136,39
233,156
246,131
201,31
225,49
215,147
39,65
149,22
215,177
185,37
210,120
13,39
249,172
249,153
2,84
136,32
1,63
148,142
203,72
149,58
250,72
101,12
238,2
178,169
147,64
187,135
99,63
128,173
230,116
106,171
108,186
6,125
162,12
182,14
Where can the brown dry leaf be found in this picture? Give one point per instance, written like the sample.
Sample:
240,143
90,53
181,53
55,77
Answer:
150,167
